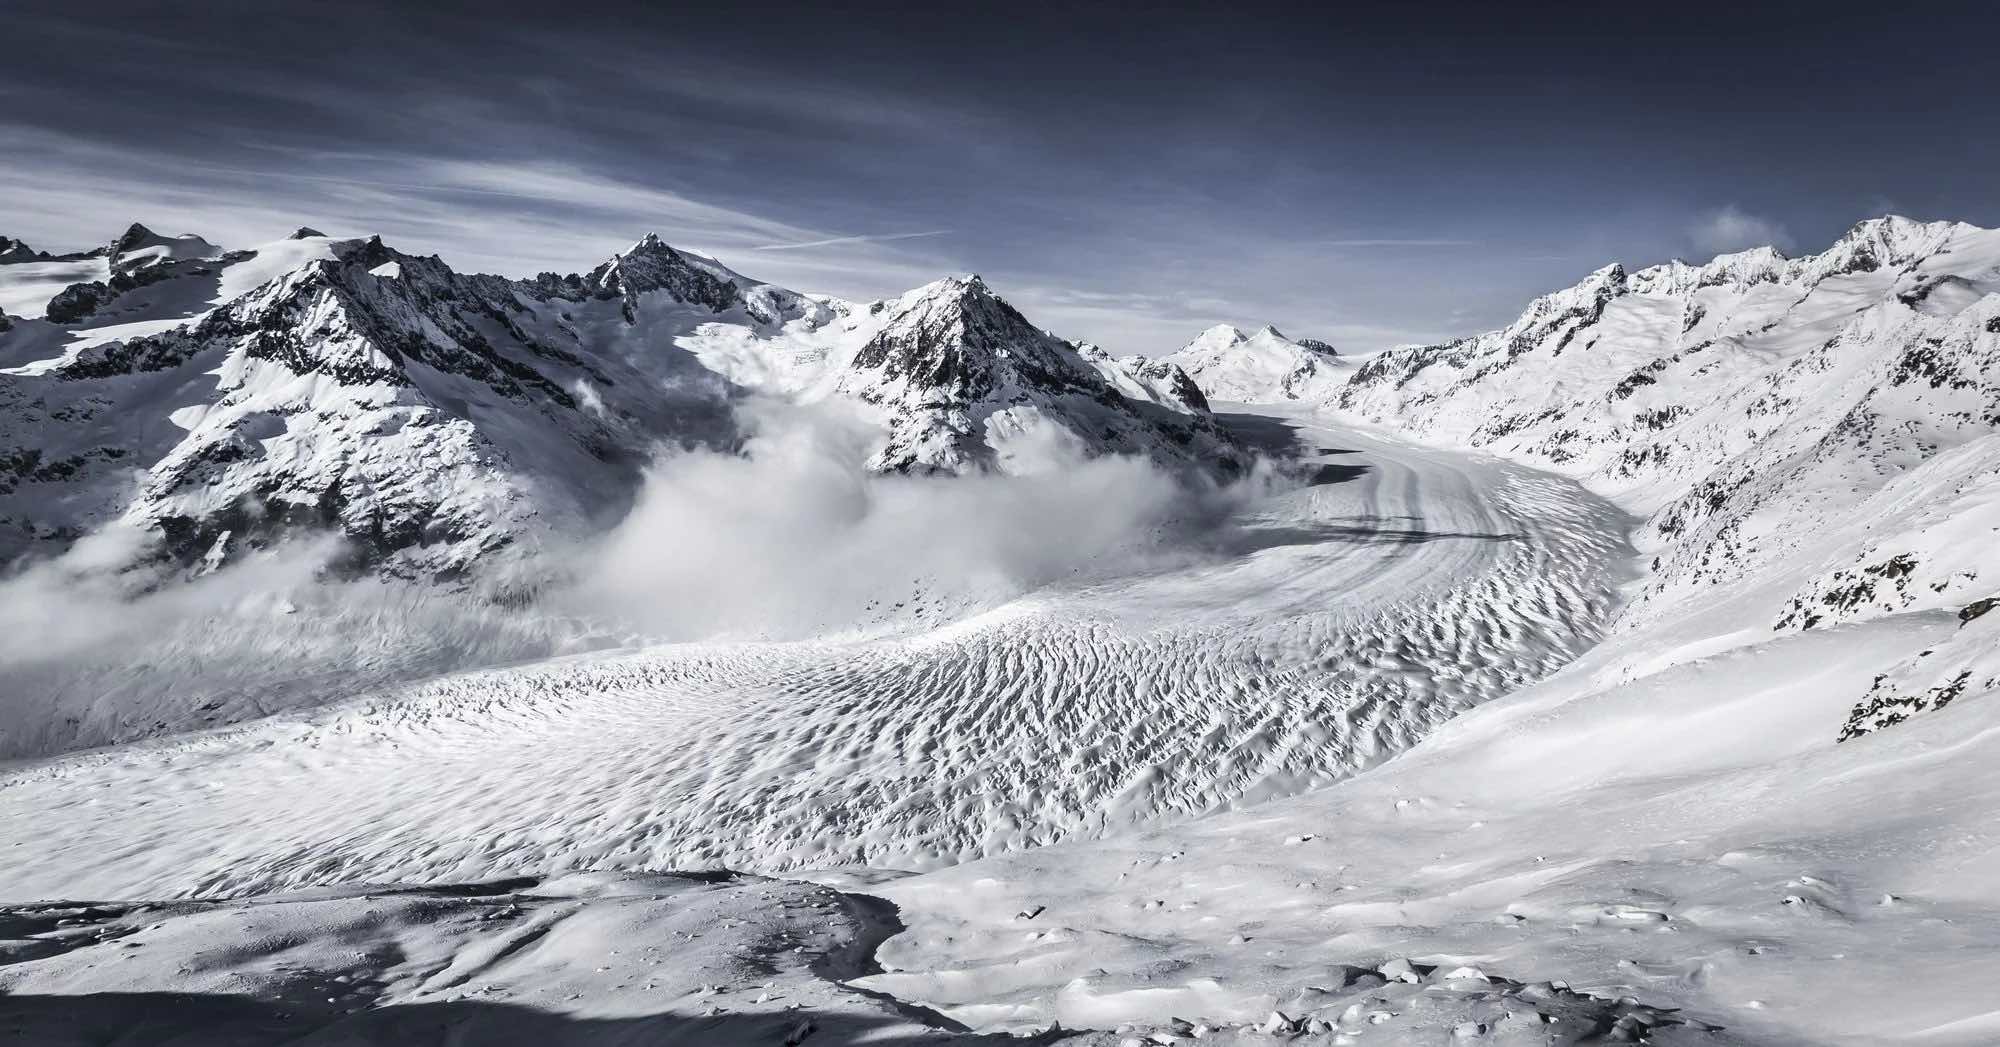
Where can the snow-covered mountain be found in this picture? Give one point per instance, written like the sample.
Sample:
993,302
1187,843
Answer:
1383,760
1827,426
1261,367
209,400
963,380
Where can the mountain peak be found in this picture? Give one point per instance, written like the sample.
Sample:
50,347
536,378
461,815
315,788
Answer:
13,250
1270,330
654,265
304,232
957,283
651,243
1895,239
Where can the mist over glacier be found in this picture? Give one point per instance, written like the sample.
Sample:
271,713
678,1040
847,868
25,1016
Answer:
788,537
795,537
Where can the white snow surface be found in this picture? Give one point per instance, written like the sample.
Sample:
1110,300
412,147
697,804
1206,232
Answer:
1415,750
1262,366
1311,642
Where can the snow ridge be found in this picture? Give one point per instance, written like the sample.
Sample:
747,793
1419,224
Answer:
1831,422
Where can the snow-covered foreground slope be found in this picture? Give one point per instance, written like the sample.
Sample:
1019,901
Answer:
1732,805
1335,625
588,959
1654,822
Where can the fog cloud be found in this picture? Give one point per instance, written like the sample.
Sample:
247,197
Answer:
792,538
795,537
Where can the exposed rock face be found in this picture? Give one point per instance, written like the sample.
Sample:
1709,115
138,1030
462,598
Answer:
653,266
435,419
960,374
430,418
12,250
78,301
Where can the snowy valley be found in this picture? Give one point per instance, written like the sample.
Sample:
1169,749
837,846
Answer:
656,654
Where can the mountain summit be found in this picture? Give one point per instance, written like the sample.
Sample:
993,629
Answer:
963,376
1262,366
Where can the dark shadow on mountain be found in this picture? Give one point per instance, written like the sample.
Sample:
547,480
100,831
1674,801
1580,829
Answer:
162,1019
1271,434
1322,474
1278,438
1251,540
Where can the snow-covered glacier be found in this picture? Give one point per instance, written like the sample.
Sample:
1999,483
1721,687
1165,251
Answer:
1624,674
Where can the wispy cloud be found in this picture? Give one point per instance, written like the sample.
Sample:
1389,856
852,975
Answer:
1733,229
492,216
833,241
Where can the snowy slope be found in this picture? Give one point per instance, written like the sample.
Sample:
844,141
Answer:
1677,829
1829,421
1261,367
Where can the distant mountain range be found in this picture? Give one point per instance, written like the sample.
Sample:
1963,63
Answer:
1818,431
205,401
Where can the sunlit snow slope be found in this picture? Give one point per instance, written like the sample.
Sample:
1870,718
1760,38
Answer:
1343,621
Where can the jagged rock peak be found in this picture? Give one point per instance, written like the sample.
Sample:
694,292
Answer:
956,286
304,232
955,296
653,265
12,250
134,235
1314,345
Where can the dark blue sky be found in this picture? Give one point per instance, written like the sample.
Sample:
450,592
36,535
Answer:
1375,174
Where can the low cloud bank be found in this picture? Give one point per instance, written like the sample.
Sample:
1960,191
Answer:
792,538
92,657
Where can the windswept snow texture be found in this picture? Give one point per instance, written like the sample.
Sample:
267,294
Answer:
1261,367
1342,622
1666,819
